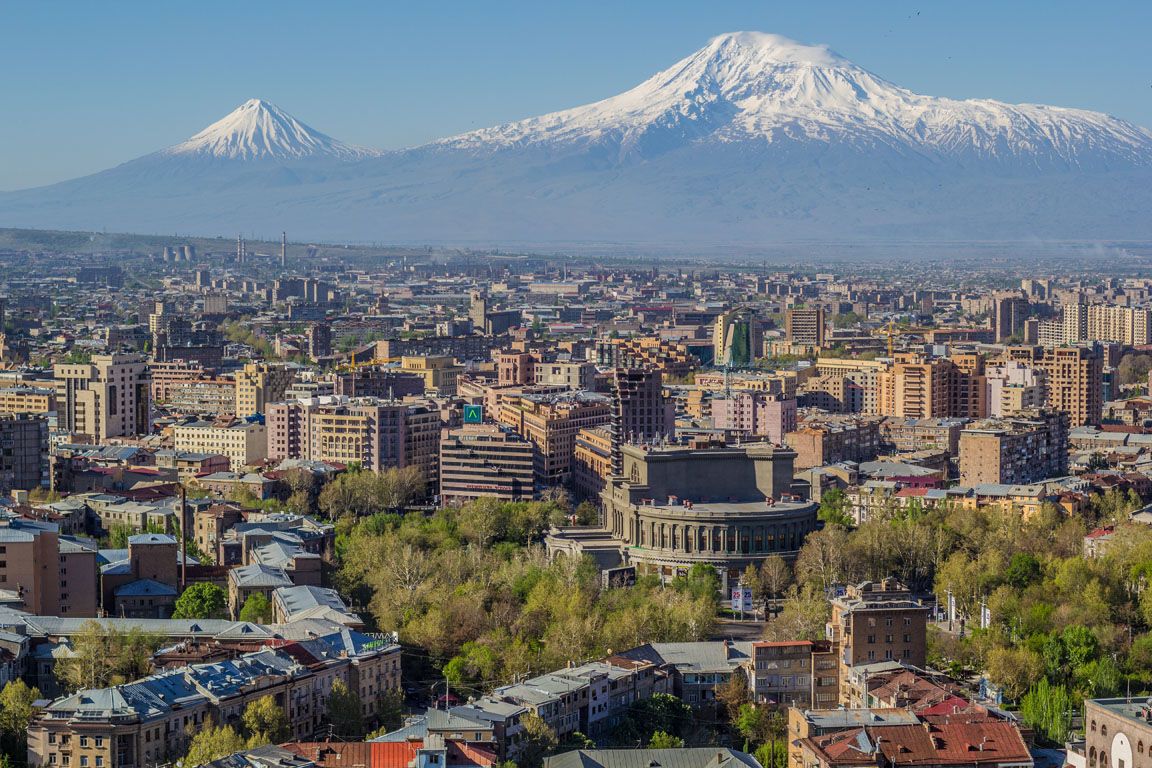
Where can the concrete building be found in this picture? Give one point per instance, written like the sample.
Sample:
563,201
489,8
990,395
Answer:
51,575
922,387
23,399
729,507
108,397
439,372
642,411
23,452
829,439
1014,387
245,443
1025,449
1075,379
804,326
479,460
260,384
756,414
737,338
591,463
875,622
377,434
1009,311
550,423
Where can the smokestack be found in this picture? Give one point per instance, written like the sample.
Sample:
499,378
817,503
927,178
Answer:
283,250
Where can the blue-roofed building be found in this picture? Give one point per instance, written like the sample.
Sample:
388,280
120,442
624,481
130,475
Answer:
150,721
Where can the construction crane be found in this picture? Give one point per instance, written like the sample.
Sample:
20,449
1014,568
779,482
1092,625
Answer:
891,330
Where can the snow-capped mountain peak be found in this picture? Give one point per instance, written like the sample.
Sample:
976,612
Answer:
763,88
259,130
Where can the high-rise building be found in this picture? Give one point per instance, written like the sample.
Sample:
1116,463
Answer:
1009,311
641,412
479,460
1075,379
922,387
260,384
319,340
108,397
377,434
23,451
551,422
1014,387
804,326
756,413
737,338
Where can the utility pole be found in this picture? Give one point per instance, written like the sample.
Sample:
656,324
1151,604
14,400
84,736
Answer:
183,538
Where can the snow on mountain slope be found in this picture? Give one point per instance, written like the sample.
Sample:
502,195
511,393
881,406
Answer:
258,130
751,86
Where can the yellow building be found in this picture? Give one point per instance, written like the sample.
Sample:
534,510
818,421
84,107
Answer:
438,371
260,384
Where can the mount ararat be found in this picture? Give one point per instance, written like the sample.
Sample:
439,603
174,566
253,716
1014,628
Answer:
753,139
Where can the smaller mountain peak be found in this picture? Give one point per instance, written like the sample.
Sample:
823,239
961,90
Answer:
258,129
768,47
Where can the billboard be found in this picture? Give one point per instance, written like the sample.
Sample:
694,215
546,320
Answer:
473,414
742,599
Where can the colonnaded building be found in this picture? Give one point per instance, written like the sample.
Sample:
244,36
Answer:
672,506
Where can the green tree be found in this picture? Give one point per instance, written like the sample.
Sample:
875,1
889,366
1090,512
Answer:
257,609
802,617
702,580
537,741
1048,708
733,694
16,712
345,711
665,740
661,712
202,600
775,576
265,722
213,743
1016,670
834,509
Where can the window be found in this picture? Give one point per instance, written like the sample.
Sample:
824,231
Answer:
83,761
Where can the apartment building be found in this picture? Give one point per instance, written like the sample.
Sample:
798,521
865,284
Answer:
150,721
902,435
1014,387
805,326
50,574
550,423
23,452
1027,448
874,622
828,439
377,434
260,384
439,372
27,400
485,460
106,398
756,414
1074,379
244,442
671,359
920,387
591,463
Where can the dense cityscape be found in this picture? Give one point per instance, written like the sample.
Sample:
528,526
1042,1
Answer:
576,385
287,504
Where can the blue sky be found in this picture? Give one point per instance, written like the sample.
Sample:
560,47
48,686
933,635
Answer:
86,85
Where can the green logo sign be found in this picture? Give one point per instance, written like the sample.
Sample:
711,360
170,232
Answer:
473,414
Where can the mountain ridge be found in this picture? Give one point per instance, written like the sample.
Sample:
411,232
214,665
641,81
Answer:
752,137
